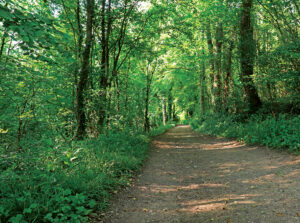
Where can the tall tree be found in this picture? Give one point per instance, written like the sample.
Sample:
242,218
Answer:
247,50
218,74
84,73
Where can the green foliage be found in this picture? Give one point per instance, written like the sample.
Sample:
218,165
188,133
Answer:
281,132
160,130
68,181
148,66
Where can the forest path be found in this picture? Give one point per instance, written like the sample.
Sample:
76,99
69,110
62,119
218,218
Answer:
194,178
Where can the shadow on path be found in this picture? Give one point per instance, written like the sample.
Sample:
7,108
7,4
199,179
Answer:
194,178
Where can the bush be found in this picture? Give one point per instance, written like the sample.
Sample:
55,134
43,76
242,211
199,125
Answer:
65,181
281,132
160,130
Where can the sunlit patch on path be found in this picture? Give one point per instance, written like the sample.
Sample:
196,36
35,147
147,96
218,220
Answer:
195,178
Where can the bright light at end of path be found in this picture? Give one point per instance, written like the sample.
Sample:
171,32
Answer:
144,6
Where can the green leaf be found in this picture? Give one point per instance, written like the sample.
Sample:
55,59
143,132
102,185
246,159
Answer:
4,13
27,211
17,219
92,203
34,205
67,192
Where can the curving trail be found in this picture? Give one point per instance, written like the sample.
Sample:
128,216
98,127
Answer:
194,178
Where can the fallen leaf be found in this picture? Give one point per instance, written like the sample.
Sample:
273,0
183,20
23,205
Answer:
228,221
145,209
298,214
91,215
279,214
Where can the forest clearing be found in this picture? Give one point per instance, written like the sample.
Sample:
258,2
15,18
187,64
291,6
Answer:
193,106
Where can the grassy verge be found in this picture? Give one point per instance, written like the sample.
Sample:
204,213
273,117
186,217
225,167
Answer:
282,132
160,130
65,182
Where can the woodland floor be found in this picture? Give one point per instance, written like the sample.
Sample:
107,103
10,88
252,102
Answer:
194,178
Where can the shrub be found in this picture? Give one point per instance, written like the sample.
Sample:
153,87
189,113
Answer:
61,181
281,132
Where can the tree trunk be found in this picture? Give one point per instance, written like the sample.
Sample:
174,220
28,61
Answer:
83,75
103,74
228,74
164,111
3,39
174,118
247,49
170,100
217,77
104,82
212,64
146,121
202,86
3,43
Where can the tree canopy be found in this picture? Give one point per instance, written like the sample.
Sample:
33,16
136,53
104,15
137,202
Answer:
80,67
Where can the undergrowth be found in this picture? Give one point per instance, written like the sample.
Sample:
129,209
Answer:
67,181
282,132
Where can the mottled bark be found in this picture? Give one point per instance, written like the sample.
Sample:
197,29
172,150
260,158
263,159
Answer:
104,67
84,73
3,42
149,76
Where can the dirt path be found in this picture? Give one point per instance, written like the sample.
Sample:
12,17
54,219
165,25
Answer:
195,178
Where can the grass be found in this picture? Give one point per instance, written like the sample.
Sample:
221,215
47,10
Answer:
281,132
66,181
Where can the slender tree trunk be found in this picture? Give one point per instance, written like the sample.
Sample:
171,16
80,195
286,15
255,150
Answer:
217,77
108,107
149,76
146,121
247,49
78,60
118,93
3,43
170,100
104,69
228,74
126,86
84,73
202,86
212,64
164,111
174,112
